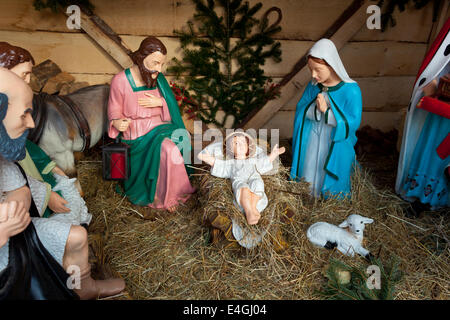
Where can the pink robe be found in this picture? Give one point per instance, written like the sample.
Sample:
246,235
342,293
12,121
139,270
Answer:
173,184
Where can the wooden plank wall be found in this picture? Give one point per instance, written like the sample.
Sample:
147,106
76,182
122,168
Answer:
384,64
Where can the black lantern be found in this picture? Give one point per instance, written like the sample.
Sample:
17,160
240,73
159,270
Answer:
115,157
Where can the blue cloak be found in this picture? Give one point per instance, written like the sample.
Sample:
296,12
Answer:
346,105
425,179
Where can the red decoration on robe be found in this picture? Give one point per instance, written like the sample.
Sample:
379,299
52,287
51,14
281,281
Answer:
443,150
434,47
442,109
436,106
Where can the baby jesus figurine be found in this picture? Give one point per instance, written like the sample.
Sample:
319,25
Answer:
244,169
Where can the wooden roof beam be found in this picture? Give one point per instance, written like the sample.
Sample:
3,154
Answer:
105,37
347,25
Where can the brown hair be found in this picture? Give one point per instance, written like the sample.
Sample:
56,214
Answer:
318,60
11,56
148,46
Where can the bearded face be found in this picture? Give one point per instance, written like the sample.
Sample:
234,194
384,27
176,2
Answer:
15,120
150,67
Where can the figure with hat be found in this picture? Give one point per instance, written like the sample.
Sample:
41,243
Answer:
37,255
424,165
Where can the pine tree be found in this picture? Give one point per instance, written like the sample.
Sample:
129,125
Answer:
222,36
389,6
356,288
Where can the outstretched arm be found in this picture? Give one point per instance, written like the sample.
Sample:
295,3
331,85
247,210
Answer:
206,157
276,151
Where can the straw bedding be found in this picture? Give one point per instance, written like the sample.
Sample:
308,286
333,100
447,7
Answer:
181,256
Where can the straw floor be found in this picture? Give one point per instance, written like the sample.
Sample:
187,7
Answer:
172,255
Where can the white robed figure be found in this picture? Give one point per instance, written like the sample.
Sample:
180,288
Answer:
420,173
241,160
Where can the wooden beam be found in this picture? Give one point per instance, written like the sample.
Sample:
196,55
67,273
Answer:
106,38
161,17
348,13
340,36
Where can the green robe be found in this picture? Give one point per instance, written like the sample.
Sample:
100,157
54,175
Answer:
145,151
38,165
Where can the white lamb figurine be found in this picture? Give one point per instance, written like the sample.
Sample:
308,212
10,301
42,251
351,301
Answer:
78,211
348,242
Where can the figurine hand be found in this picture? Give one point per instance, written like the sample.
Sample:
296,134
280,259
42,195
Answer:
121,124
431,88
59,171
57,203
276,152
14,218
321,103
206,157
151,102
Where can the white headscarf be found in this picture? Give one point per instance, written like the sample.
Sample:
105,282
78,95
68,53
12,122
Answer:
326,50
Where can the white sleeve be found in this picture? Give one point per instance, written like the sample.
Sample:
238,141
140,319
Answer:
222,168
264,165
329,118
10,176
39,191
11,179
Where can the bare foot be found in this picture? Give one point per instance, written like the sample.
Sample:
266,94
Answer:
255,217
248,202
172,209
255,213
252,215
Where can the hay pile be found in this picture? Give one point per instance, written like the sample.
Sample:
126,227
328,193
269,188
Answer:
172,257
216,199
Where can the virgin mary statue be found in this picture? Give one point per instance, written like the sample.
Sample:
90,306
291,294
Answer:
326,119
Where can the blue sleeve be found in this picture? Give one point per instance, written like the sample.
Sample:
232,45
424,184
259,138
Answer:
347,108
353,107
306,98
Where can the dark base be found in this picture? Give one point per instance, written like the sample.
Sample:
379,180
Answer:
370,257
416,208
330,245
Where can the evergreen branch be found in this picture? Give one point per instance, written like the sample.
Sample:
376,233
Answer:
223,74
389,7
357,287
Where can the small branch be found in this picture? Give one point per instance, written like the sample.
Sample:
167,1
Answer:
196,168
408,222
135,211
294,193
